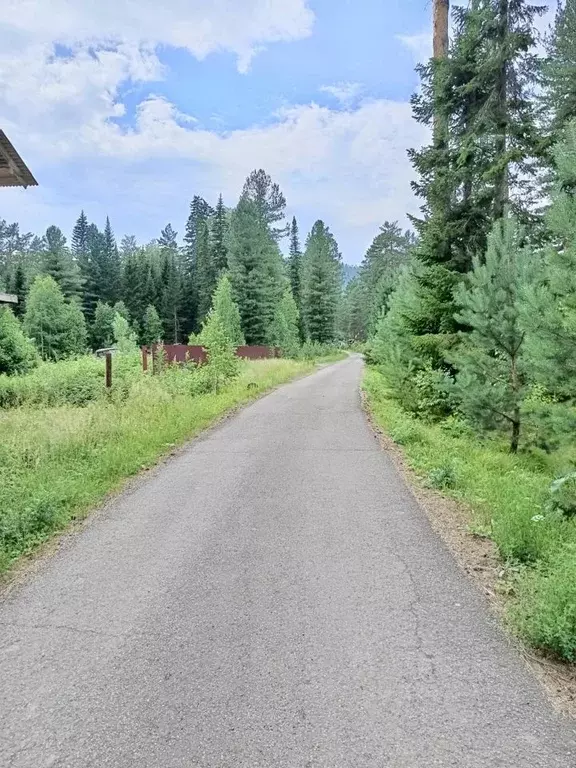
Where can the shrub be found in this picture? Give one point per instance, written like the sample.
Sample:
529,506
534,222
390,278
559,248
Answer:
562,496
546,610
442,477
17,352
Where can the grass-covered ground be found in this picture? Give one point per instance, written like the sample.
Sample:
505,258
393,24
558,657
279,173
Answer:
65,443
509,498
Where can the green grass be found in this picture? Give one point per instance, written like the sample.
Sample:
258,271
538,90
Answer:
56,463
508,497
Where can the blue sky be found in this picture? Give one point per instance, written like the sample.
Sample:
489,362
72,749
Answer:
129,109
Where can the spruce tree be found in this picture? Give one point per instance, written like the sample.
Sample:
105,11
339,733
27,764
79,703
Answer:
79,241
128,247
111,268
17,352
227,310
152,329
269,201
171,298
200,213
256,271
18,286
218,235
285,333
167,240
321,284
491,384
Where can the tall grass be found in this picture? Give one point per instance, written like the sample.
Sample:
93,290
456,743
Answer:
57,462
509,496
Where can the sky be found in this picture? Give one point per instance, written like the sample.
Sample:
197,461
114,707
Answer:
128,108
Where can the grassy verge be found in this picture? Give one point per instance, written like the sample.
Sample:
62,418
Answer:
58,462
508,497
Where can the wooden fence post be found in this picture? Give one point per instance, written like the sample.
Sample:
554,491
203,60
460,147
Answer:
144,359
108,370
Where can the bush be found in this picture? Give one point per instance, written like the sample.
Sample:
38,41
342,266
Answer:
562,496
546,610
17,352
442,477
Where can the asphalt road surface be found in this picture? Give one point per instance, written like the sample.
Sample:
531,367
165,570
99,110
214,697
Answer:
273,597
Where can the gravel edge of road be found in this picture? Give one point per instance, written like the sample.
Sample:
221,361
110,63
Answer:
479,559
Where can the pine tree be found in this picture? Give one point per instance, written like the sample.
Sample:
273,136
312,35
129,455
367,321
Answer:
218,237
205,272
269,201
256,271
321,284
152,330
102,331
227,310
285,333
48,319
17,352
57,263
491,383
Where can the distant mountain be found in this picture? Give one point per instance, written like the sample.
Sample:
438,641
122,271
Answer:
349,272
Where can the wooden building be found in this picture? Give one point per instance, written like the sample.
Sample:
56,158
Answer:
13,170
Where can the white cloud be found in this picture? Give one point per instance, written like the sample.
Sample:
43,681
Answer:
344,93
420,45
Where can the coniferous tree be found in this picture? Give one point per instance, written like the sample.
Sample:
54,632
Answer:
222,363
256,271
491,383
128,247
171,298
205,271
18,286
57,262
17,352
76,330
269,201
80,240
295,263
559,70
285,333
152,329
200,213
227,310
111,269
218,237
321,284
167,240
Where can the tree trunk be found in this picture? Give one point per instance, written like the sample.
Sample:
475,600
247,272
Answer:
441,14
515,441
501,192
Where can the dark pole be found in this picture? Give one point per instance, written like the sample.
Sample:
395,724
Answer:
108,370
144,359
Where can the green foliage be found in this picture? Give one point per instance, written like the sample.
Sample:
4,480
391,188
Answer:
562,499
103,326
269,202
17,353
57,262
559,70
255,271
228,312
442,477
321,284
222,363
205,271
58,328
218,235
124,337
152,330
491,383
285,332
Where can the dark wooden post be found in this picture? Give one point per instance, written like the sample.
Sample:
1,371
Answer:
144,359
108,370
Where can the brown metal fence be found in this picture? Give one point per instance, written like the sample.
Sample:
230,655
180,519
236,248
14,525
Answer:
183,353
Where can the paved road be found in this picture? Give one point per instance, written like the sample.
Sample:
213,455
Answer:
272,598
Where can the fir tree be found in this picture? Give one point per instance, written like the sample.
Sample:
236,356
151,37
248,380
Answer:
200,213
128,247
171,299
111,268
321,284
550,307
167,240
57,263
218,237
255,271
491,383
18,286
152,330
285,333
559,71
205,272
80,240
17,352
269,201
227,310
295,263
